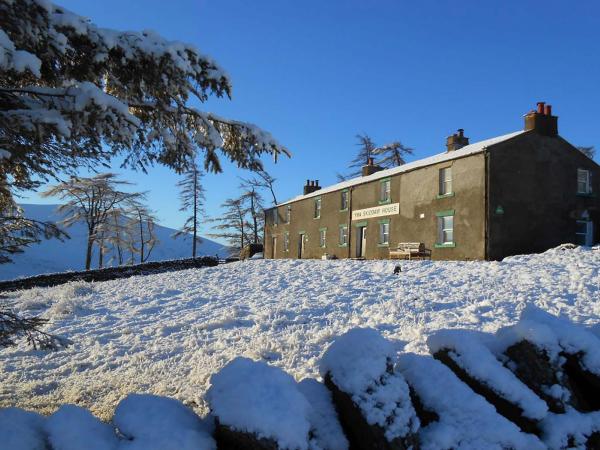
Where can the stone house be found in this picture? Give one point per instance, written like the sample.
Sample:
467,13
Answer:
523,192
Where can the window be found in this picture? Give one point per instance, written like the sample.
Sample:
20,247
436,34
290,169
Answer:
288,214
446,230
384,233
446,181
317,208
584,181
344,203
275,216
384,195
286,242
323,237
581,232
343,235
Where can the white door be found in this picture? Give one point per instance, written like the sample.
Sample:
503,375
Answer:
589,233
363,242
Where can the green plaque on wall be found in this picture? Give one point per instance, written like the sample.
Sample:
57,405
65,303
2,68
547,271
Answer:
499,210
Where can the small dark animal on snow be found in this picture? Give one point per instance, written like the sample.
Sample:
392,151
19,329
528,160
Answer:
397,270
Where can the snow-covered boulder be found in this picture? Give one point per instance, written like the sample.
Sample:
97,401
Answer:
557,359
150,422
459,419
326,431
465,353
372,400
257,406
21,430
74,428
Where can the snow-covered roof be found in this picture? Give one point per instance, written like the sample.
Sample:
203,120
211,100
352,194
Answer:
476,147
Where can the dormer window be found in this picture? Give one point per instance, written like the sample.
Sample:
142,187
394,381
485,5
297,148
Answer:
584,181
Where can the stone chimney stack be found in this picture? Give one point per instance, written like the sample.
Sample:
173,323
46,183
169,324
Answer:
311,186
370,168
457,140
542,120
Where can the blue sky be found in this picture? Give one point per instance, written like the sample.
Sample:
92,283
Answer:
316,73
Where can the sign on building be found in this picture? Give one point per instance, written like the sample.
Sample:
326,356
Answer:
377,211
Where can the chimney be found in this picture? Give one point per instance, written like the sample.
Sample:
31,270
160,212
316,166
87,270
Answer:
457,140
542,121
370,168
311,186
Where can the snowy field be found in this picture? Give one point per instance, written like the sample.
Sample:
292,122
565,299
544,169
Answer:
167,333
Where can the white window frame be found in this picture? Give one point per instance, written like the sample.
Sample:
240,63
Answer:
275,216
343,235
384,233
323,238
286,242
344,199
446,230
385,191
317,211
584,181
288,214
445,187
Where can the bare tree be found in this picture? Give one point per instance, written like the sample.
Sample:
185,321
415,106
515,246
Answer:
263,180
141,225
93,201
192,199
232,224
590,152
392,155
389,155
252,205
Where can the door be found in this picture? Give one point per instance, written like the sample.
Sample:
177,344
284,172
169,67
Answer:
589,235
273,247
301,247
361,242
585,232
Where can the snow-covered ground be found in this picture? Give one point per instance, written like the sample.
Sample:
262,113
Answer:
52,255
168,333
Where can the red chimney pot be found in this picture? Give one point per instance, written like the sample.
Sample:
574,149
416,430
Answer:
540,108
548,110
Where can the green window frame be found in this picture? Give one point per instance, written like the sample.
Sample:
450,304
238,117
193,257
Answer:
343,236
317,210
323,237
445,182
385,191
344,199
384,233
286,241
445,228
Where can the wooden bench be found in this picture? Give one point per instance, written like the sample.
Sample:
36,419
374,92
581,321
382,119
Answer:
410,250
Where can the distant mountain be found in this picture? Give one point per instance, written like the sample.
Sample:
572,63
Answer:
55,256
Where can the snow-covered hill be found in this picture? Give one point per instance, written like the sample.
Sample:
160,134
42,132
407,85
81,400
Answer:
55,256
168,333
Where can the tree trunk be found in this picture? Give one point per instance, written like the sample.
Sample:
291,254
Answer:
88,254
100,253
141,238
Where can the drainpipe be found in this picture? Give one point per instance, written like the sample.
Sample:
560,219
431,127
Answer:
350,221
486,206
